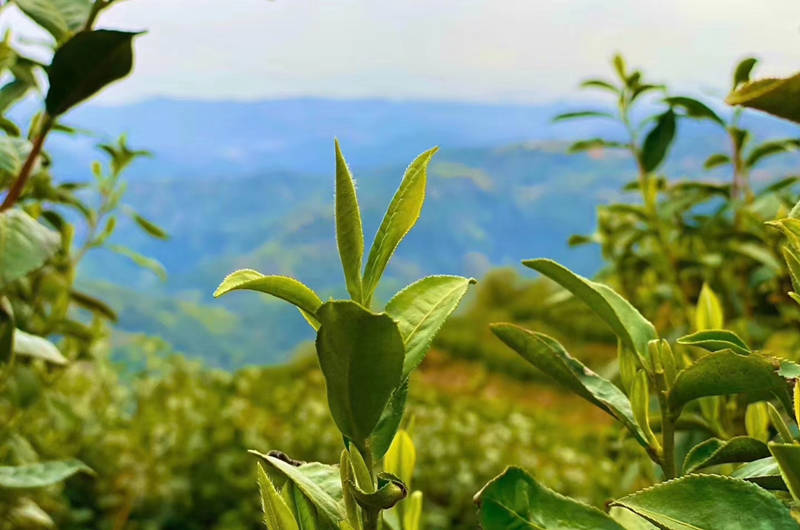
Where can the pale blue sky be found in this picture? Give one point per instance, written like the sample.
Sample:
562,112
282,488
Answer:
487,50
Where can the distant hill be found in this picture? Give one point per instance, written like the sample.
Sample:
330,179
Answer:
251,185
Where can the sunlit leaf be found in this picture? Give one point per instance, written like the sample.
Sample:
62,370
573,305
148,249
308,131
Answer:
27,345
349,233
708,314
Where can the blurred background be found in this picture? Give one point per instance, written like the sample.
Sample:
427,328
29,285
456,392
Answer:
238,104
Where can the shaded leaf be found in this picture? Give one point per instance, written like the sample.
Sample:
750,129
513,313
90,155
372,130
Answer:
780,97
763,472
714,451
715,340
787,455
381,438
658,140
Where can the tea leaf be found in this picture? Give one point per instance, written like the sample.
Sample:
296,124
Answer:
361,355
787,455
381,438
546,354
726,372
763,472
599,83
412,513
694,108
624,319
277,515
793,263
150,227
13,152
768,149
400,217
742,72
281,287
583,114
421,309
143,261
85,64
390,491
714,451
303,511
40,474
756,421
640,403
61,18
28,345
349,233
25,245
595,143
715,340
708,314
401,457
716,160
774,96
709,501
657,142
777,421
515,500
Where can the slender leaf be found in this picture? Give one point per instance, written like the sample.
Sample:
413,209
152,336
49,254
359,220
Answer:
583,114
150,264
401,457
715,340
349,232
7,327
716,160
595,143
768,149
40,474
27,345
658,140
714,451
150,227
694,108
277,515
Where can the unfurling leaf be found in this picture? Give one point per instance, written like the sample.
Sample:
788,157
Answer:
515,500
389,492
349,232
361,356
708,314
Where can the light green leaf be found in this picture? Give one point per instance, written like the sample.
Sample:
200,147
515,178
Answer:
624,319
756,421
84,65
546,354
61,18
13,152
282,287
401,457
709,501
516,501
780,97
277,515
361,355
629,520
150,264
349,232
25,245
714,451
793,264
658,140
715,340
27,345
787,455
40,474
320,483
421,309
763,472
402,214
726,372
303,511
412,511
708,314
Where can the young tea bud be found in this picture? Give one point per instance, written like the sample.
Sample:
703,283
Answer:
640,402
756,421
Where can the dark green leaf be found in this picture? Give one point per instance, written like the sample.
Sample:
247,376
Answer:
515,501
787,455
583,114
85,64
780,97
349,233
742,72
150,227
93,304
714,451
716,160
361,355
61,18
658,140
40,474
25,245
389,422
715,340
694,108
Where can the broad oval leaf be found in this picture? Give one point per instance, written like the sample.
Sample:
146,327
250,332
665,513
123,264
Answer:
320,483
624,319
61,18
361,356
716,340
515,501
25,245
27,345
349,232
40,474
726,372
281,287
787,455
780,97
277,515
85,64
658,140
401,216
546,354
714,451
421,309
711,502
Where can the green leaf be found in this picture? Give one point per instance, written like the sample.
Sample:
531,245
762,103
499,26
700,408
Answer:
27,345
715,340
421,309
599,83
763,472
595,143
716,160
361,356
349,232
756,421
742,72
320,483
150,264
7,327
281,287
277,515
708,314
40,474
780,97
381,438
787,455
515,501
709,501
303,511
150,227
624,319
658,140
25,245
768,149
780,425
726,372
546,354
401,457
13,152
714,451
694,108
85,64
93,304
390,491
790,226
402,214
583,114
61,18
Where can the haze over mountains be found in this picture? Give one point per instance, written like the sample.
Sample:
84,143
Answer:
251,185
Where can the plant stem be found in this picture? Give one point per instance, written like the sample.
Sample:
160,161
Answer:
25,173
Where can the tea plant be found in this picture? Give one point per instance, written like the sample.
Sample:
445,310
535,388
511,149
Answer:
366,359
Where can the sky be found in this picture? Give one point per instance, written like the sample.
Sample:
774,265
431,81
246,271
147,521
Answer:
521,51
